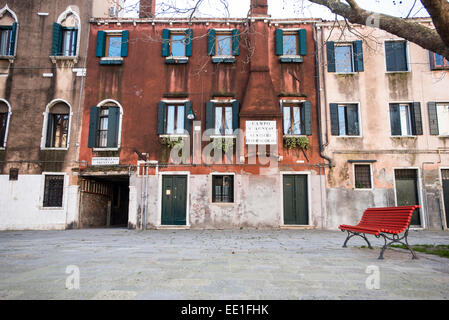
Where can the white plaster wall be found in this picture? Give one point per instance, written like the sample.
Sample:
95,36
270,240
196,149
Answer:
21,205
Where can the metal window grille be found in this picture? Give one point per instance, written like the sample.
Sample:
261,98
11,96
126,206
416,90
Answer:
405,173
53,190
362,176
222,188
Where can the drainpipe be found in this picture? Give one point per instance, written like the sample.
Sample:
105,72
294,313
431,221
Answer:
318,98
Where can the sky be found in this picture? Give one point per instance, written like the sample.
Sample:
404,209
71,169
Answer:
277,8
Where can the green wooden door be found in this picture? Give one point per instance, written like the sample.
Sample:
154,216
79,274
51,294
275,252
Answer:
407,191
174,200
296,204
445,176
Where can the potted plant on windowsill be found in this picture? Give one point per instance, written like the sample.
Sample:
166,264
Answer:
224,144
297,142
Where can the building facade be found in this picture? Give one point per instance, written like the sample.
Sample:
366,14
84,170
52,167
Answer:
153,82
385,105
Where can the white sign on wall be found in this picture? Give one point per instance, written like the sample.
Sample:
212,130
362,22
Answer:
105,161
261,132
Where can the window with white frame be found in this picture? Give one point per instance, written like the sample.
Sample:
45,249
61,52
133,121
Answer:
8,32
53,191
58,119
362,176
443,119
223,188
4,118
405,119
104,126
65,34
396,56
345,119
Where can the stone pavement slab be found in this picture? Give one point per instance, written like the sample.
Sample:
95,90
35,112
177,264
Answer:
215,264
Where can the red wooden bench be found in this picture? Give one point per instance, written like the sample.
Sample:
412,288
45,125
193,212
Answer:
383,222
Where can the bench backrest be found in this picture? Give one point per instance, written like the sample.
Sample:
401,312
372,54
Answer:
389,218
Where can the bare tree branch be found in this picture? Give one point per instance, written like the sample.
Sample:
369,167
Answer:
433,40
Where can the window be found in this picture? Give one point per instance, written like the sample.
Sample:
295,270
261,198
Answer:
4,116
223,45
172,117
345,119
396,56
8,32
291,43
405,119
65,36
69,39
438,118
104,126
297,118
177,45
437,61
223,188
57,126
345,57
5,40
112,46
362,176
222,118
53,190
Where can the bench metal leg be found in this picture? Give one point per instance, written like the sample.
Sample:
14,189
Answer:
395,239
352,234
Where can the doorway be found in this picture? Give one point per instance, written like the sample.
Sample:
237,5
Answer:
406,181
445,183
104,201
296,199
174,200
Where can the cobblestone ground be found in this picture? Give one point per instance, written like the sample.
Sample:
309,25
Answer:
215,264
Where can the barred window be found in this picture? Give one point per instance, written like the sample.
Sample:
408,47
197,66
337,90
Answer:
53,190
362,176
223,188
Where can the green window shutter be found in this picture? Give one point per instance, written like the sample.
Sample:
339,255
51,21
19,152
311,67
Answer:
113,127
187,122
279,42
416,118
101,43
335,127
353,120
165,42
210,116
395,120
3,132
161,117
50,123
433,118
57,40
189,44
235,115
358,56
75,41
211,42
93,127
235,42
125,38
12,47
307,117
302,36
330,49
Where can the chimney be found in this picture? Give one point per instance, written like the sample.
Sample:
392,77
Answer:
259,8
147,8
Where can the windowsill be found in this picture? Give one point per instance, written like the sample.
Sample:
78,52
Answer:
291,59
346,73
230,136
390,72
10,58
51,208
294,135
111,60
440,68
55,59
176,60
363,189
60,149
439,136
223,59
403,137
350,137
224,204
105,149
2,148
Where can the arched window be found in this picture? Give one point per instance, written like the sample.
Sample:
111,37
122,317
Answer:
5,112
66,34
8,32
57,125
105,125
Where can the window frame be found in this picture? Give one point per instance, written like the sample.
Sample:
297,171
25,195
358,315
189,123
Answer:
176,105
108,36
438,118
220,103
351,47
370,173
359,116
4,10
433,61
289,32
291,106
45,125
212,189
64,188
8,119
119,131
223,105
407,56
409,115
73,42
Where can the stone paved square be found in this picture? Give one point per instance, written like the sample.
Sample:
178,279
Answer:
214,264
